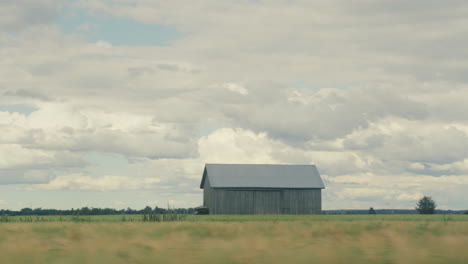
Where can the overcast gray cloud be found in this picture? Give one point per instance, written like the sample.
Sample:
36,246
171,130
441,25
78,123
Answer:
373,93
20,14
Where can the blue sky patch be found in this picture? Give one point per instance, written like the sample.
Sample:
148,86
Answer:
117,31
18,108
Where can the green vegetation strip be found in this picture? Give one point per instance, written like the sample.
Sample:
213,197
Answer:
230,218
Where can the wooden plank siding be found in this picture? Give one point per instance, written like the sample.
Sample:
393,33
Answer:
299,201
208,194
261,201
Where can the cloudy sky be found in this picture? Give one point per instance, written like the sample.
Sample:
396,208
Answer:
120,103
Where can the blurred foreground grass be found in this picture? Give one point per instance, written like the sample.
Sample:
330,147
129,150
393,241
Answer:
241,239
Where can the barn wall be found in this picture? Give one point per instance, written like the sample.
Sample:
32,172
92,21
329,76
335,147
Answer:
207,194
231,201
298,201
262,201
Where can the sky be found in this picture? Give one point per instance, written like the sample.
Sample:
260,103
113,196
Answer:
120,103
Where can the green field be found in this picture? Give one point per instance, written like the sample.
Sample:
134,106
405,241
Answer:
238,218
238,239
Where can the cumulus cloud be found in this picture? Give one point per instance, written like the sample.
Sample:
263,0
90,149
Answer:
458,167
61,127
329,37
412,140
372,103
15,155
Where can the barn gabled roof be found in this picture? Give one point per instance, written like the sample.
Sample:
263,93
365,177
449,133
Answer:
262,176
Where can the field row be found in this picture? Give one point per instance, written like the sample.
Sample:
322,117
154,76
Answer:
305,241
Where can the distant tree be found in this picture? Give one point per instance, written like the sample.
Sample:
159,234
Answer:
85,211
130,211
426,205
26,211
371,210
466,212
159,210
147,210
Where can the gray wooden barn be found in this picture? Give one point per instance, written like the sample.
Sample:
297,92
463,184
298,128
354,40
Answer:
262,189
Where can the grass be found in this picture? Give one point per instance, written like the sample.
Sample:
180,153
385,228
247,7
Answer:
72,218
239,239
231,218
325,218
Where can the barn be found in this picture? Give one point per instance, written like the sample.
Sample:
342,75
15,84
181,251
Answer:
262,189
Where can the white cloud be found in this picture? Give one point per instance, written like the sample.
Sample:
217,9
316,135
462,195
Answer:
417,166
458,167
380,107
16,155
365,178
236,146
236,88
104,183
411,140
63,127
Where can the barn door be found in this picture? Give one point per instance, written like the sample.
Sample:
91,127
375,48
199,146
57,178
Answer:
267,202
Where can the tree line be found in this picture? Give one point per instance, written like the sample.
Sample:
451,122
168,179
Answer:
96,211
